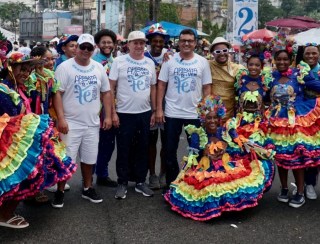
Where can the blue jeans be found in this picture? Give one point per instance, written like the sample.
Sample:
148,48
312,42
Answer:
133,126
173,129
106,148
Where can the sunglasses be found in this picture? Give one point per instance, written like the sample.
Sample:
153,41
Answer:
221,51
311,44
83,47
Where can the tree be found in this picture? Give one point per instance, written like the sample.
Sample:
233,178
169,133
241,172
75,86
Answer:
68,3
138,12
315,14
312,6
292,8
169,12
267,12
9,13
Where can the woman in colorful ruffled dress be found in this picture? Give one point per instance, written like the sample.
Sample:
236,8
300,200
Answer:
294,124
31,156
248,129
217,183
310,53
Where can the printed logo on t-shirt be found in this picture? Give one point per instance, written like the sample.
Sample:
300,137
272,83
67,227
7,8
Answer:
85,87
139,78
185,79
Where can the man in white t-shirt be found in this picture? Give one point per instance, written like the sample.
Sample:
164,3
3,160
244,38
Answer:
182,80
77,104
133,79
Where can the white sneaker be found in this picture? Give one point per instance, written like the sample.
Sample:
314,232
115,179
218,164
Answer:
54,188
310,192
294,191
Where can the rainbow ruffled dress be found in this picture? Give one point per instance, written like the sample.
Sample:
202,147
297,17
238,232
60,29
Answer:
204,190
32,157
249,127
294,120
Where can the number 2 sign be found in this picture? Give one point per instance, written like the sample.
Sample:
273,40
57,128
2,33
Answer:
245,18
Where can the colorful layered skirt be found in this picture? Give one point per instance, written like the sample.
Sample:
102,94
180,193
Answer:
296,134
32,157
232,185
256,134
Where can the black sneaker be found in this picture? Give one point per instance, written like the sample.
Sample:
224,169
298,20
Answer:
91,195
58,199
144,189
106,181
121,192
297,201
283,195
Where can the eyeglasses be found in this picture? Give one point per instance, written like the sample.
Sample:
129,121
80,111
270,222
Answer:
312,44
221,51
186,41
84,47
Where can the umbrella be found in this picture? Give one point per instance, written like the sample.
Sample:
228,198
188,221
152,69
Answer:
309,36
259,35
296,22
56,39
174,29
119,37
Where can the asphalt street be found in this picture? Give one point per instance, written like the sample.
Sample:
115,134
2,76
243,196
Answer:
139,219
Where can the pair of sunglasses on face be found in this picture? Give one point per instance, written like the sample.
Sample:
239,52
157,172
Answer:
226,50
89,47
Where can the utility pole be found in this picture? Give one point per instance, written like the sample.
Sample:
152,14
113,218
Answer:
133,14
35,20
99,15
199,10
83,16
156,10
151,10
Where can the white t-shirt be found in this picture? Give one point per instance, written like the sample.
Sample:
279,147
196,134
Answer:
134,78
185,80
25,50
81,87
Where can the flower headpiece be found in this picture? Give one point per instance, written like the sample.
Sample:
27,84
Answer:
282,42
259,48
18,57
5,48
211,104
157,29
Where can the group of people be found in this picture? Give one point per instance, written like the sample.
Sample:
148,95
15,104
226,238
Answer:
239,121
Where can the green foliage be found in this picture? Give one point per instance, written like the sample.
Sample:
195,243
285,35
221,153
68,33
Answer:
212,30
218,31
169,12
315,14
292,8
312,6
267,12
140,12
9,13
68,3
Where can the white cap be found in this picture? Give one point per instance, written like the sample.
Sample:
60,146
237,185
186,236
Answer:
86,38
136,35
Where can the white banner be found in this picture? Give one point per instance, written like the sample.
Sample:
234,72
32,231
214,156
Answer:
245,19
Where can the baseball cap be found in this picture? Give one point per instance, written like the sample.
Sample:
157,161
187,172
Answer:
38,43
64,40
86,38
136,35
